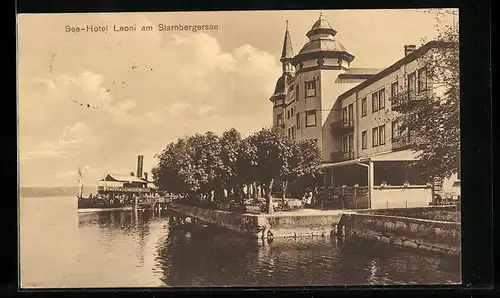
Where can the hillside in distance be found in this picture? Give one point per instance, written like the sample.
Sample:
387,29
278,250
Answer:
50,191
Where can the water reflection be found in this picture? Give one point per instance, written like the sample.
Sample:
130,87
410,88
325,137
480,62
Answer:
145,249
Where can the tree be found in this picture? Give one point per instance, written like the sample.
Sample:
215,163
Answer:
274,154
310,160
201,165
247,163
230,147
174,169
435,120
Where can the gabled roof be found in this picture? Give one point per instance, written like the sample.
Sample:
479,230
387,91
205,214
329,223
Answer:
123,178
359,73
405,60
361,70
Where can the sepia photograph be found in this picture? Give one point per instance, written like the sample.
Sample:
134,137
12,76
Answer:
239,149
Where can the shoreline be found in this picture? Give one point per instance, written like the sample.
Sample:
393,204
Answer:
421,234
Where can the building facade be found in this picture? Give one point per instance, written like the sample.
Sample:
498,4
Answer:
353,115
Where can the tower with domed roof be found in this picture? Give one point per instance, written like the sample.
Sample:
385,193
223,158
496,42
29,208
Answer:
305,97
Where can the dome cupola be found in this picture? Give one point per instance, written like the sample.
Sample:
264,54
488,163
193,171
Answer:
321,28
322,44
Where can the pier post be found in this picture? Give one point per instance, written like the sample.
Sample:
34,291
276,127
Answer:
136,204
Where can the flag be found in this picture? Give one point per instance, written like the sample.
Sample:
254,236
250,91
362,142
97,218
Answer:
79,172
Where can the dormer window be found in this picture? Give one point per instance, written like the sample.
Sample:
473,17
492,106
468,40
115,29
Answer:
310,88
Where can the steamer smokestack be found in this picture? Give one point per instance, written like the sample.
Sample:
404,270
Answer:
139,166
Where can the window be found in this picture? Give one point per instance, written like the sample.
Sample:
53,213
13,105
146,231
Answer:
422,80
350,110
364,140
381,99
350,143
381,135
364,107
298,120
293,132
375,137
344,144
279,119
398,129
297,93
344,114
310,118
288,132
395,129
374,102
291,113
310,88
411,84
394,89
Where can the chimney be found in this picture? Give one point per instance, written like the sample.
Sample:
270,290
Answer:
146,176
409,49
139,166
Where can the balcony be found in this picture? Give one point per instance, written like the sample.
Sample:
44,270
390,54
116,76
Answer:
342,126
405,141
407,99
342,156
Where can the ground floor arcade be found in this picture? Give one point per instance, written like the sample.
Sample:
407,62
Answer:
374,184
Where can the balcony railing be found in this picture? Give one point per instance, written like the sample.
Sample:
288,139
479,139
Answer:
123,189
405,141
342,156
342,126
403,99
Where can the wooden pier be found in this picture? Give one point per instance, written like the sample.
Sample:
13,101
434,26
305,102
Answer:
140,204
153,204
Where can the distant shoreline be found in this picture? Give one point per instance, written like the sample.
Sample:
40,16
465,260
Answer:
54,191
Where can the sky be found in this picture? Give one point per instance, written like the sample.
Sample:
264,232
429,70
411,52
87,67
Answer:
96,100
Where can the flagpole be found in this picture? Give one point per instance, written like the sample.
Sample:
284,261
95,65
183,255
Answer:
80,181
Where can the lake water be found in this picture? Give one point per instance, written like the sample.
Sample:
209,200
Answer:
61,248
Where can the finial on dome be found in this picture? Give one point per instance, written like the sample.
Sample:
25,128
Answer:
286,24
321,15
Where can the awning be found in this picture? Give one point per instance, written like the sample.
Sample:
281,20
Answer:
344,163
401,155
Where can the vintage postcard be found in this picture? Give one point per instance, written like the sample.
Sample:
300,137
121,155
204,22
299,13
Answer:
239,148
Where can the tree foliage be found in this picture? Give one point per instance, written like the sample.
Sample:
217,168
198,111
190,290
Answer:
200,165
434,123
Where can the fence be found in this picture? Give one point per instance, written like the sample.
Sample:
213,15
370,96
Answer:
356,197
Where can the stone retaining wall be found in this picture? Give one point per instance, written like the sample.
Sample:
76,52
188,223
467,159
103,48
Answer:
424,234
439,236
247,224
264,225
440,213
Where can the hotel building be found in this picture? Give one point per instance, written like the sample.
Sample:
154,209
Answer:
353,115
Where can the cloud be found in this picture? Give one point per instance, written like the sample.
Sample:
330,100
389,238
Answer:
46,150
185,84
73,134
204,110
177,108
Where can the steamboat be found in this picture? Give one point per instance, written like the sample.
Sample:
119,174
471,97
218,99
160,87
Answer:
120,192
